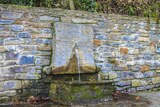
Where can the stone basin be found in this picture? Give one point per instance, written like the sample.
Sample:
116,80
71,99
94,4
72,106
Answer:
81,92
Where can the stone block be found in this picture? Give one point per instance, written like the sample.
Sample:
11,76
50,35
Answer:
36,36
123,50
49,18
136,83
156,80
16,69
11,15
133,51
44,41
126,38
46,31
153,38
127,75
1,42
138,75
26,60
11,55
143,39
112,75
97,42
16,28
6,22
158,50
124,83
43,47
83,21
42,61
12,84
150,74
10,93
144,68
27,76
13,41
24,35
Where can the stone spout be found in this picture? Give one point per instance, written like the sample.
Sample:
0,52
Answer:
69,38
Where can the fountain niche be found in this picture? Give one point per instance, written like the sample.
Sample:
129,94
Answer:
74,72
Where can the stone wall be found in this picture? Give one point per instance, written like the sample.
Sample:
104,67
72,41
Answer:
127,49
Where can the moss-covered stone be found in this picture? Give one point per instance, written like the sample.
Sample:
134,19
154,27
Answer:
79,92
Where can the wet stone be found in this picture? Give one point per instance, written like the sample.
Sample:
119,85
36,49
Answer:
17,28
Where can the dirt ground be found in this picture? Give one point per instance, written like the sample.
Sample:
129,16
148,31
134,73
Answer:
147,99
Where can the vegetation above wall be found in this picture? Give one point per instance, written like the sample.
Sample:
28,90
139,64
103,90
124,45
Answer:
147,8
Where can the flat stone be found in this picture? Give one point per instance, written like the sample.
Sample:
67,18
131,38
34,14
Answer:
83,21
12,56
17,28
13,41
143,39
136,83
49,18
124,50
1,42
127,75
46,31
42,61
124,83
27,76
150,74
97,42
11,15
144,68
112,75
133,51
158,50
26,60
16,69
153,38
6,22
44,41
156,80
12,84
24,35
10,93
138,75
44,47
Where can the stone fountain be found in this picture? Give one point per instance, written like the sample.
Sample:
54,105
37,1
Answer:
74,72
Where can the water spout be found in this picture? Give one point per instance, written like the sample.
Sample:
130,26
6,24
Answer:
78,64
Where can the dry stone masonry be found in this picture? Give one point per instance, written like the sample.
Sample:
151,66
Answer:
36,41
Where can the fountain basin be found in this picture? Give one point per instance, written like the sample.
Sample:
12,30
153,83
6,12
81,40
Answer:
75,92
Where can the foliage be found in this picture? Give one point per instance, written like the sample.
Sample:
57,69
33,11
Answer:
148,8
